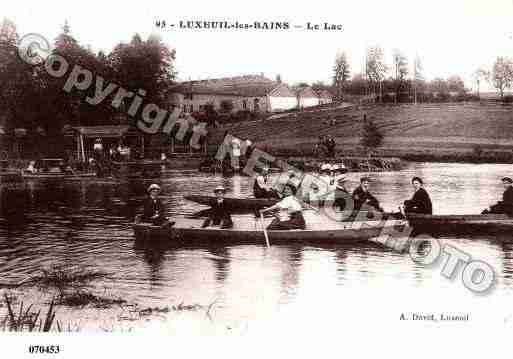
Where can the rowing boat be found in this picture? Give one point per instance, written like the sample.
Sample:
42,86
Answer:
249,230
235,204
471,223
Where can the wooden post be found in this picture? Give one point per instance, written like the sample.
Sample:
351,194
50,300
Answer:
172,145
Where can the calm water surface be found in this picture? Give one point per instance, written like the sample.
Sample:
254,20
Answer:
86,225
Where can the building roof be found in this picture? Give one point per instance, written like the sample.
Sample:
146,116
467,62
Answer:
244,86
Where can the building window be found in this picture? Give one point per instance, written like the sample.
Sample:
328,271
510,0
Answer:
184,108
256,104
191,108
188,96
244,104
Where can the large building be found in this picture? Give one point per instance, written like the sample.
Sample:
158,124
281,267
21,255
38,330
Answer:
251,92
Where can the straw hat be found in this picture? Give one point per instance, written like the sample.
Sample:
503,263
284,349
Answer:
219,189
154,186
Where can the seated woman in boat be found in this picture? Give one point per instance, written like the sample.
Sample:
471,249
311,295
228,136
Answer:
420,202
219,214
362,196
291,209
153,207
506,205
262,186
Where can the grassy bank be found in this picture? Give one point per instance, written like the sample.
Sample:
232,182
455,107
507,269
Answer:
457,132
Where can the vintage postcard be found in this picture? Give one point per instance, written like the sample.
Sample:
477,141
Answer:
194,177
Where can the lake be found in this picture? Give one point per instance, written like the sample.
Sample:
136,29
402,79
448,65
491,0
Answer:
86,225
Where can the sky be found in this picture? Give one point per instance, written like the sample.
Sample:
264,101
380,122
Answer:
452,37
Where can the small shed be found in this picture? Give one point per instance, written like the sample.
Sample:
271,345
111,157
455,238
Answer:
111,135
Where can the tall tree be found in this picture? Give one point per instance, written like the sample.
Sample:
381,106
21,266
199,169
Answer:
146,65
341,72
376,69
417,76
502,75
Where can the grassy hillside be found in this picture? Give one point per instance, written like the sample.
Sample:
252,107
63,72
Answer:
408,129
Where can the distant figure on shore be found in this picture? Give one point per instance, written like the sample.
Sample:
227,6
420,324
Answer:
31,167
362,196
506,205
98,149
236,153
420,203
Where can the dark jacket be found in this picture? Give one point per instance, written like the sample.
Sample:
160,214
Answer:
506,205
152,207
419,203
341,199
361,197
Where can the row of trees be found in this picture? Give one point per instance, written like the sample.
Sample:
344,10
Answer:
35,100
400,82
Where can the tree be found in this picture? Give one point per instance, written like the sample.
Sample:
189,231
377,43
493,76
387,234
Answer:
376,69
400,71
371,138
502,75
341,72
480,75
147,65
456,84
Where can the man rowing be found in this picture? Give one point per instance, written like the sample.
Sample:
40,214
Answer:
420,203
153,207
362,196
290,210
262,187
506,205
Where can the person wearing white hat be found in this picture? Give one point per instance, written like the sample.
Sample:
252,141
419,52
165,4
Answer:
262,187
153,207
219,213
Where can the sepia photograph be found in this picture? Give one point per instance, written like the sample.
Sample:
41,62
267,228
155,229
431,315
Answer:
200,178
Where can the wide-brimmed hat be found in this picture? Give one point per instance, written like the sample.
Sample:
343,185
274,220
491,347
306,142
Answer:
507,179
219,189
335,167
153,186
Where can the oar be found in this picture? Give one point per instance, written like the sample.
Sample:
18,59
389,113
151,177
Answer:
264,229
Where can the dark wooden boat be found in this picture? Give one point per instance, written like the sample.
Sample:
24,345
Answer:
471,223
239,205
249,230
